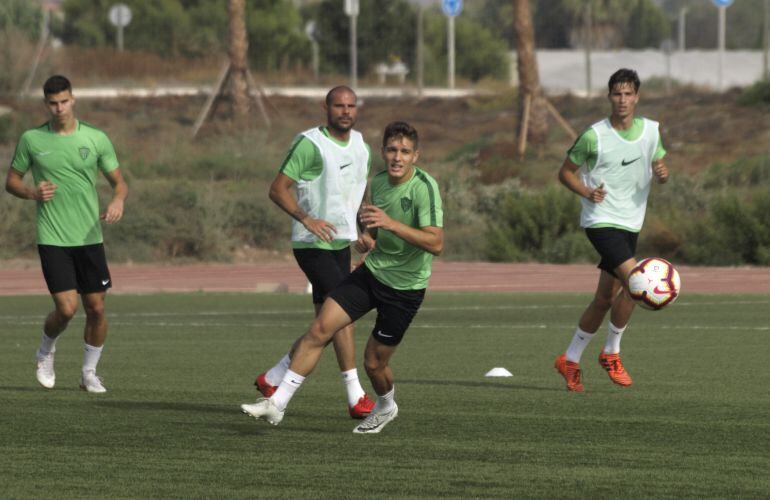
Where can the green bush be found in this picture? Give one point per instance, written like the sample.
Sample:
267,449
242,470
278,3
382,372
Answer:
759,93
542,225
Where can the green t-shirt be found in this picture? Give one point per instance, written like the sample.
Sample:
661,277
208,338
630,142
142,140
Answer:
416,203
71,162
304,163
586,148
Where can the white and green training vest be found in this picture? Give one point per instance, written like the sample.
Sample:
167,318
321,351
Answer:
336,194
625,168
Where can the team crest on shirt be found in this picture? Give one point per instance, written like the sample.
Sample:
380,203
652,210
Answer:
406,204
84,152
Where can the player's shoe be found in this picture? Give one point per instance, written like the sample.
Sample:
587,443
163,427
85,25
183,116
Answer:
45,374
362,409
376,421
264,409
89,382
571,373
615,369
264,386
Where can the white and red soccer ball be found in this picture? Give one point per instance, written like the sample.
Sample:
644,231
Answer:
654,283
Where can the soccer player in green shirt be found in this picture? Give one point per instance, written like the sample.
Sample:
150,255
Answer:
611,167
65,156
321,185
404,231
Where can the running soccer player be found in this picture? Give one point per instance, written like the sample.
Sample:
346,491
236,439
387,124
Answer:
328,166
404,232
65,155
611,167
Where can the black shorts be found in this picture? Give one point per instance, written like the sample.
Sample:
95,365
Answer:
615,246
361,292
325,269
75,268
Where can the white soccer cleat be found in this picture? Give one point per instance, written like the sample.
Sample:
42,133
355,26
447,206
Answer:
45,374
89,382
376,421
264,409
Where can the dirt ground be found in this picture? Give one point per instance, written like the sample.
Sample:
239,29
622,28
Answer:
25,278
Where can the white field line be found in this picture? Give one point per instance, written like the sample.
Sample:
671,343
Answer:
275,312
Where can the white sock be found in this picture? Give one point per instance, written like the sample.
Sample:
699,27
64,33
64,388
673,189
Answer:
579,343
47,345
352,386
275,374
614,334
386,401
91,357
286,389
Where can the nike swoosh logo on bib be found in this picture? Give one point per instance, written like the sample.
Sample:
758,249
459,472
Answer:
624,162
345,166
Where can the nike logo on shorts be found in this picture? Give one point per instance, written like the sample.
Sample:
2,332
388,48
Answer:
105,282
345,166
379,332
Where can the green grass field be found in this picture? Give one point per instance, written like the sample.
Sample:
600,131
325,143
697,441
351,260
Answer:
696,422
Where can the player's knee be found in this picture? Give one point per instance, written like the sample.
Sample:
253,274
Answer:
95,311
66,311
373,366
318,333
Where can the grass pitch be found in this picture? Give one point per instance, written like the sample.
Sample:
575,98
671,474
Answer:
694,424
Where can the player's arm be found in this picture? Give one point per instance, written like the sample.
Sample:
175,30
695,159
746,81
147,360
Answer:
429,238
114,211
659,167
14,184
282,195
568,175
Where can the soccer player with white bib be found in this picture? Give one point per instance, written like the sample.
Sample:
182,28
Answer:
321,185
611,166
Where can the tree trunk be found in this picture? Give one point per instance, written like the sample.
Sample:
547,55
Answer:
529,78
238,49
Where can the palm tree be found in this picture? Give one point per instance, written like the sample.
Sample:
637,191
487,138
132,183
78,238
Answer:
533,124
238,48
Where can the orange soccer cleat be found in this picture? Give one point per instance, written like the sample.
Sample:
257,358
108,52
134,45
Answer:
615,369
362,409
571,373
264,386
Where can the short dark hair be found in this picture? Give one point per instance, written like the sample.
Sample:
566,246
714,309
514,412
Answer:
56,84
400,129
625,75
338,88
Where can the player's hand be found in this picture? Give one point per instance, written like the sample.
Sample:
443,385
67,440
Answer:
661,171
45,191
597,194
323,230
375,217
364,244
114,212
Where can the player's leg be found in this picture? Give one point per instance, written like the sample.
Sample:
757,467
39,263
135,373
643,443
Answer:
93,281
325,269
622,308
60,278
395,311
612,247
307,353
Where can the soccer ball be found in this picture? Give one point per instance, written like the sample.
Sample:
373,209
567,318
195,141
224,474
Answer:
654,283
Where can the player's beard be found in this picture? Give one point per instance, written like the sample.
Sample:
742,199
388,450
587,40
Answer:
339,127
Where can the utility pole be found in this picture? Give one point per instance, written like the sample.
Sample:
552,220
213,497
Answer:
588,39
681,28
